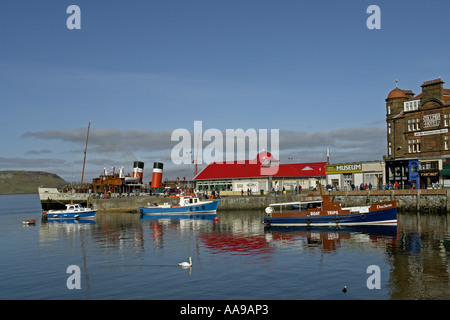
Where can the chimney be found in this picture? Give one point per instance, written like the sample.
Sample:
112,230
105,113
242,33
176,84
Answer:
433,89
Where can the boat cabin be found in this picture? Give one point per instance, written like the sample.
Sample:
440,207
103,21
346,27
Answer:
73,207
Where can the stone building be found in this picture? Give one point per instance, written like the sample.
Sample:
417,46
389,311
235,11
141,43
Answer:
418,142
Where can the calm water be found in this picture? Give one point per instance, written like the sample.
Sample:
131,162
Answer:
121,256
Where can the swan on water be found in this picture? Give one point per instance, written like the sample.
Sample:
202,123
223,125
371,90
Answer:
186,264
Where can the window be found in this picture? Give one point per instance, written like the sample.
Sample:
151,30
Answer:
446,142
389,128
414,145
446,120
414,124
390,148
411,105
389,109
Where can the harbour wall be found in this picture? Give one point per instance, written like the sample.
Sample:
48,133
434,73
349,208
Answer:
417,200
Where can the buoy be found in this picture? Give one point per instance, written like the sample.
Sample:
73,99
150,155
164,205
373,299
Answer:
216,219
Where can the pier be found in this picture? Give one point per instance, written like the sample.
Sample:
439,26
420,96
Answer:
413,200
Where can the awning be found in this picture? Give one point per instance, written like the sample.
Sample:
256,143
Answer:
445,171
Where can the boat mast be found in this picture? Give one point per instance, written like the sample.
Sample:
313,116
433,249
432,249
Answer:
85,150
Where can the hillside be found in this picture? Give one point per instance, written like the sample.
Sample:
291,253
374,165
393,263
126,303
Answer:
13,182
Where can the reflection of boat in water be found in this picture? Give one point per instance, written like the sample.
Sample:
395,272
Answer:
193,216
187,205
375,230
330,238
70,221
325,212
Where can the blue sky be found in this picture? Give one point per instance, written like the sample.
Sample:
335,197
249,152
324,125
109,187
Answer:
141,69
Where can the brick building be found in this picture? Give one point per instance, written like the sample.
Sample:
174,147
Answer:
418,145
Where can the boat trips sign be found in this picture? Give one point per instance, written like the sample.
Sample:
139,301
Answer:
344,168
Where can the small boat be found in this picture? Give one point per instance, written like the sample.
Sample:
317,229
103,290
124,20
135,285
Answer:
29,222
187,204
72,211
325,212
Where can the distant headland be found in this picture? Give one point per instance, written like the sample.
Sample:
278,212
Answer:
19,182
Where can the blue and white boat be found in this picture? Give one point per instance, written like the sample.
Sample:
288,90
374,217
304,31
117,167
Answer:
72,211
188,205
324,212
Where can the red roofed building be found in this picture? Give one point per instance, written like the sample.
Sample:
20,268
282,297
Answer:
261,173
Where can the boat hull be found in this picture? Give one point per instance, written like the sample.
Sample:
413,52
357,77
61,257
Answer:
71,215
209,207
380,217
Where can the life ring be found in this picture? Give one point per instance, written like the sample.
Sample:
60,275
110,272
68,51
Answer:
268,222
191,208
337,220
203,207
141,210
362,216
308,221
196,208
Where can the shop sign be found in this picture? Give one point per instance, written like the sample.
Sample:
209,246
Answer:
431,120
429,133
344,168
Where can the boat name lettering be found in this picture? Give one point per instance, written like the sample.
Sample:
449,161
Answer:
315,213
332,212
387,205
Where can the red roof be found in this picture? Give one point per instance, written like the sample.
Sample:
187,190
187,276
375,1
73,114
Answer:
254,169
396,93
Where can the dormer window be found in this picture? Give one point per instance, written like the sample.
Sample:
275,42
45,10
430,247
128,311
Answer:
411,105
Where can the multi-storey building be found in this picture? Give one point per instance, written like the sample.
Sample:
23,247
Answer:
418,145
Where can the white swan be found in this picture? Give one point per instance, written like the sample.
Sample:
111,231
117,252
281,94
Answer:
186,264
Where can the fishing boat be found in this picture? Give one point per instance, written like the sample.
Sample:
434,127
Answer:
72,211
323,211
186,204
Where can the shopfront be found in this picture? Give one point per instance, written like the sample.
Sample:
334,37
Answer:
397,173
429,174
344,176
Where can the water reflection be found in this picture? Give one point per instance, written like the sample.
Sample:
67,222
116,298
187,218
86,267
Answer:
330,239
420,265
416,251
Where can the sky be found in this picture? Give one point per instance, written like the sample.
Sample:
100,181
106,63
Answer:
142,69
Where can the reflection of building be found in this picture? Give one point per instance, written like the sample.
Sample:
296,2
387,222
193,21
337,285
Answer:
418,135
262,173
345,175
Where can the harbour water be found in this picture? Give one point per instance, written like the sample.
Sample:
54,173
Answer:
122,256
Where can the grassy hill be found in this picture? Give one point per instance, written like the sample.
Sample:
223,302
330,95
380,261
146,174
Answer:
13,182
